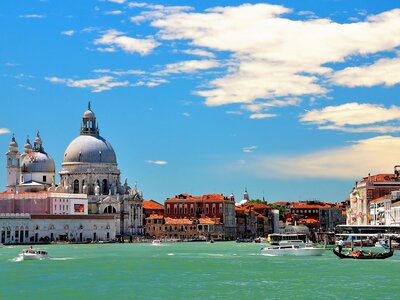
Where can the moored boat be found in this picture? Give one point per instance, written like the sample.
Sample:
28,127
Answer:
156,243
34,254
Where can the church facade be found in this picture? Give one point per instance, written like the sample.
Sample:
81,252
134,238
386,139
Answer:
89,173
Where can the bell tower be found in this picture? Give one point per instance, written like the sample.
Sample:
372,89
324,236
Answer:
13,165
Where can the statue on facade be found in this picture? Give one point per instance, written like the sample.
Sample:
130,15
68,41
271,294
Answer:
97,189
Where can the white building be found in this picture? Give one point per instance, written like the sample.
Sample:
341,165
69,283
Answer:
27,228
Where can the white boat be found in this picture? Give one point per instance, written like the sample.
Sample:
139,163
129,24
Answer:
156,243
34,254
292,248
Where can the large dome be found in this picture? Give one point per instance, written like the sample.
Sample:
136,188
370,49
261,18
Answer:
90,149
38,162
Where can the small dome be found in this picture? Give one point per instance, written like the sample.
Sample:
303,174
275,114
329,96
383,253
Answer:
89,114
37,162
38,140
27,146
13,145
90,149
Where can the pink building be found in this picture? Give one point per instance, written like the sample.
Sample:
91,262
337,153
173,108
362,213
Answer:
44,203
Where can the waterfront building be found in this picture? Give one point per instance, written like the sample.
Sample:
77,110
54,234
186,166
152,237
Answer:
152,209
215,207
385,210
43,228
43,203
369,188
90,200
90,167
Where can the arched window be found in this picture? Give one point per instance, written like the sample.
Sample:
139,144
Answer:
110,210
76,186
105,187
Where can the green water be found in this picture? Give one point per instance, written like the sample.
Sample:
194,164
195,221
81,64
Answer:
224,270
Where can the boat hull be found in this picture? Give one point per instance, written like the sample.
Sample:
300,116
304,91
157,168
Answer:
33,257
293,252
382,255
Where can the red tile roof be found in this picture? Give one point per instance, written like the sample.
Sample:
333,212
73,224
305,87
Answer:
151,204
380,178
155,217
184,221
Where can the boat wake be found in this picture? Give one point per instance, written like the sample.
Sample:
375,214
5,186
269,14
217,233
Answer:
61,258
17,259
170,254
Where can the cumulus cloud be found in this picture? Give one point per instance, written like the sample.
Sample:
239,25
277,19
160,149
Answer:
96,85
347,162
266,65
384,71
113,38
4,130
157,162
189,66
353,114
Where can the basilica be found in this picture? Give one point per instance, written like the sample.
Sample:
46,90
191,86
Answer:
89,170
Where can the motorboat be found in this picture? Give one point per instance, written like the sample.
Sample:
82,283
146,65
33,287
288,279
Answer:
156,243
34,254
292,248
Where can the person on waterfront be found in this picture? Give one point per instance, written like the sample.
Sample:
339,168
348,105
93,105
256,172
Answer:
340,245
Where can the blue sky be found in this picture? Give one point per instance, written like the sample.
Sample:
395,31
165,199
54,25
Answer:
293,100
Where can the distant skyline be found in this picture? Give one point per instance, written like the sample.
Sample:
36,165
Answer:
293,100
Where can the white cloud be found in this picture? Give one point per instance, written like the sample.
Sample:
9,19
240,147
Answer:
266,64
120,72
186,114
262,116
257,107
188,66
115,38
29,88
9,64
350,116
199,52
249,149
68,32
113,12
350,162
117,1
33,16
385,71
96,85
234,112
4,130
155,11
157,162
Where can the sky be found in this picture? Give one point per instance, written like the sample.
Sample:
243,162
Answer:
291,100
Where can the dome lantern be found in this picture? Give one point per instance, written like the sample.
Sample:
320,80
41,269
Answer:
88,126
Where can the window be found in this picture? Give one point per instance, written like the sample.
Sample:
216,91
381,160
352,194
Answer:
168,209
44,178
76,186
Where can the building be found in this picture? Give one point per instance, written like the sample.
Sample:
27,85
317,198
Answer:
44,228
90,167
217,207
90,197
369,188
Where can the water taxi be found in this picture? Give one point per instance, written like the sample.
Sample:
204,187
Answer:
292,248
34,254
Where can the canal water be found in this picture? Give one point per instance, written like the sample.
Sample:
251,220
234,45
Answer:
221,270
